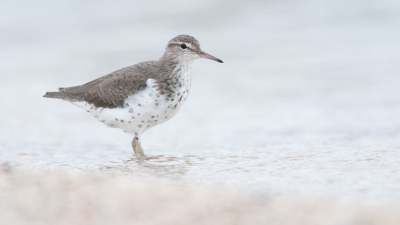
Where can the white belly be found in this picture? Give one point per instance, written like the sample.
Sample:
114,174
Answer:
141,111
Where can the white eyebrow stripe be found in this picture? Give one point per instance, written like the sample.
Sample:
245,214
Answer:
179,43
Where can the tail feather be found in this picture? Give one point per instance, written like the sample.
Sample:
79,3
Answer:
59,95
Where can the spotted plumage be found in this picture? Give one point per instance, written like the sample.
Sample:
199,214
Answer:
141,96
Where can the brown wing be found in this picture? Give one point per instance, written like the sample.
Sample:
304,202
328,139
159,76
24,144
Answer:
111,90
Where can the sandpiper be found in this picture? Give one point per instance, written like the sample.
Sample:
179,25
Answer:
141,96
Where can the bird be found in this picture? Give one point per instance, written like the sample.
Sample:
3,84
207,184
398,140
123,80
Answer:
139,97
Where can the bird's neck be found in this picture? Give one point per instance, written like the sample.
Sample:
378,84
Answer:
175,67
174,75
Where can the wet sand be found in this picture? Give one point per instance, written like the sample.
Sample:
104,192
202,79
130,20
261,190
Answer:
35,196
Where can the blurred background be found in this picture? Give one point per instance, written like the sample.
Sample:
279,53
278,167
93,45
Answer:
307,101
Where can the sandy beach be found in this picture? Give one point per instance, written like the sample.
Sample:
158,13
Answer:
54,197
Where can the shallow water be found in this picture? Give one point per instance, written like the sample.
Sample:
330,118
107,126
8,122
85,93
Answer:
307,101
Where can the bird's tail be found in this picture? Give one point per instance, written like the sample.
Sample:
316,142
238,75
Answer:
59,95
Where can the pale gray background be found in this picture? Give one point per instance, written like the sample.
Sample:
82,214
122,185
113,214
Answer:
307,101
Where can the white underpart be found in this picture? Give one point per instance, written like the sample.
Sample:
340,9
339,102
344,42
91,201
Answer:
144,109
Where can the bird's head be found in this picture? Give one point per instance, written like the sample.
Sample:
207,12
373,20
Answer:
186,48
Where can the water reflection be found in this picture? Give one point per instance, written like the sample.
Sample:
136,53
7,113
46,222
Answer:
179,166
160,165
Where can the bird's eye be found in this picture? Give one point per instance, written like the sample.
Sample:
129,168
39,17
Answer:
183,46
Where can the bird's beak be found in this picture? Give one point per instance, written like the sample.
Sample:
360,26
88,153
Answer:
208,56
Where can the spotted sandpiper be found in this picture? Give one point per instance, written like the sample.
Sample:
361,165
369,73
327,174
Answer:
138,97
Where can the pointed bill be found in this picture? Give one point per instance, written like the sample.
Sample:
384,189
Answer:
208,56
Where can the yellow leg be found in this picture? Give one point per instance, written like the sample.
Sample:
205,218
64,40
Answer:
137,147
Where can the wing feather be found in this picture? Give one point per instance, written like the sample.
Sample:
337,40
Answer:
110,91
